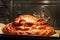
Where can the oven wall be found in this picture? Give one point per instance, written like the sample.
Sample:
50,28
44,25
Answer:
4,14
58,15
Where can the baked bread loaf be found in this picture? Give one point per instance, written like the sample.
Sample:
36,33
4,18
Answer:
29,25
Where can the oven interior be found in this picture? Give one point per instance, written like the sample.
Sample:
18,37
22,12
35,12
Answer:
48,10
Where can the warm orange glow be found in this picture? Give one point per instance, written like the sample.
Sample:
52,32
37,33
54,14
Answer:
29,25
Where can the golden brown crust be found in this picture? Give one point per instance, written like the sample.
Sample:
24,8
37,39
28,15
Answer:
42,31
25,19
29,25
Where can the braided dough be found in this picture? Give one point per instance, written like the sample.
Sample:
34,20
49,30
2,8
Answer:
29,25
